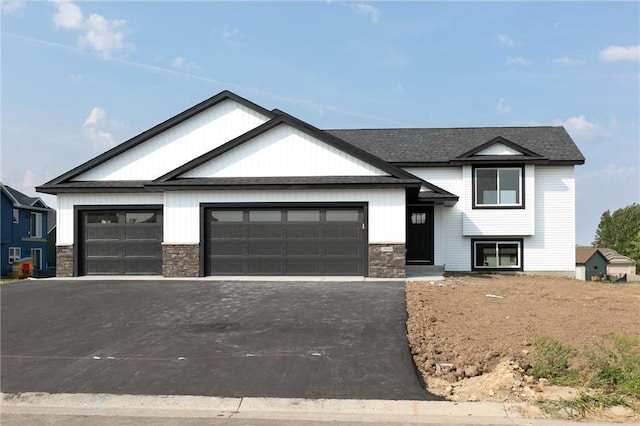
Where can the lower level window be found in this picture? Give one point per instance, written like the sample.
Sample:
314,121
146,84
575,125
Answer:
14,254
497,254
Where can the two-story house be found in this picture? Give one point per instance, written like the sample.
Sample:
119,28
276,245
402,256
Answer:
23,230
228,187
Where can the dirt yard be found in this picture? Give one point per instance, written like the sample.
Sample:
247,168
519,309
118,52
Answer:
472,336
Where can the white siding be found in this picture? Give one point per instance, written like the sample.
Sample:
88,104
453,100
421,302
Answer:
180,144
66,203
451,249
500,222
386,210
284,151
552,248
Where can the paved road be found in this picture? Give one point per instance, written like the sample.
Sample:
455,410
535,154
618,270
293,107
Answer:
235,339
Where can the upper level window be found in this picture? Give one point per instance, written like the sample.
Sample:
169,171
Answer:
35,225
16,215
498,186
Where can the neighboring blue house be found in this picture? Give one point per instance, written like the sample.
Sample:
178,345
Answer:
23,231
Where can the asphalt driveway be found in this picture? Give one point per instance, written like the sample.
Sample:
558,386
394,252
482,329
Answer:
235,339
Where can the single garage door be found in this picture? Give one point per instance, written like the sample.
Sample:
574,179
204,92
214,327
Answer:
120,242
285,241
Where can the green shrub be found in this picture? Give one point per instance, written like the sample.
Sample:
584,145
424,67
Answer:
614,364
552,361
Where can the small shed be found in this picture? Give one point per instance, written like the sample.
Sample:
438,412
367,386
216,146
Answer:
618,264
590,262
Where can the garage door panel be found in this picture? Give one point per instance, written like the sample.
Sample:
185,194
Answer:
135,249
285,241
105,266
104,232
142,266
265,231
226,267
304,231
305,267
229,231
304,248
228,248
347,231
342,248
265,267
142,233
102,249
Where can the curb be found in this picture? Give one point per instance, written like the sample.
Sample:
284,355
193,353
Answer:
35,403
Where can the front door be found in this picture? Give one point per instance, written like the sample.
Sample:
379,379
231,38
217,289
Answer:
420,235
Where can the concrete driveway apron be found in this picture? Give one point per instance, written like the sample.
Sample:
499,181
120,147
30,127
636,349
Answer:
235,339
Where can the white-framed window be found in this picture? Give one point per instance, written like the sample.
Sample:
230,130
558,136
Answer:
497,186
36,254
16,216
15,253
497,254
35,225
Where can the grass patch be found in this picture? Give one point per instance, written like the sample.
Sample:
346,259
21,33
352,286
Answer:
613,372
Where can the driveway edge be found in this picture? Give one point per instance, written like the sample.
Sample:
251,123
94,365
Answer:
186,406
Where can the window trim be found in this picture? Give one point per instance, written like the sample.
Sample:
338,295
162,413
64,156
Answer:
16,215
13,258
497,241
474,189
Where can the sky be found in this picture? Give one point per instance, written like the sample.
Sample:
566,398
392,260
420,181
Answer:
78,78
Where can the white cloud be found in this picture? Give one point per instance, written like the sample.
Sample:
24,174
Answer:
229,33
180,62
103,35
95,129
502,107
68,15
567,61
579,126
367,9
10,7
506,40
620,53
518,60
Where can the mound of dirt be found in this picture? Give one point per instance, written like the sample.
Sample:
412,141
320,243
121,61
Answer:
472,336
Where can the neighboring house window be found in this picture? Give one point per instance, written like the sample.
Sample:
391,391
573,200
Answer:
36,254
497,186
497,254
14,254
35,225
16,215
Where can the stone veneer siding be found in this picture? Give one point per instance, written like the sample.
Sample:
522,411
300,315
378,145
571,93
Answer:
387,260
64,261
180,260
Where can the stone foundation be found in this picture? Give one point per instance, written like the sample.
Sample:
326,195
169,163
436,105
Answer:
181,260
387,260
64,261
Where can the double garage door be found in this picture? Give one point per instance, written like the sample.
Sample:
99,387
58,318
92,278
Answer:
285,241
120,242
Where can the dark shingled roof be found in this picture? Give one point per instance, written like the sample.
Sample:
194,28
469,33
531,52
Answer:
441,146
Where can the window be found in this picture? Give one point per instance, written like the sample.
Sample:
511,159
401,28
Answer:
227,215
16,215
342,215
497,254
498,186
102,217
35,225
36,254
303,216
265,216
141,217
418,218
14,254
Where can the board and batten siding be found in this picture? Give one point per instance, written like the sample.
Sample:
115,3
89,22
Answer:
284,151
179,144
500,222
66,203
386,209
552,248
451,248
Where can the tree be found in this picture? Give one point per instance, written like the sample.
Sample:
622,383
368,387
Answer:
620,231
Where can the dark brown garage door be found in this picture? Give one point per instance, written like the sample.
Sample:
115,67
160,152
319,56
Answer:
120,242
285,241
